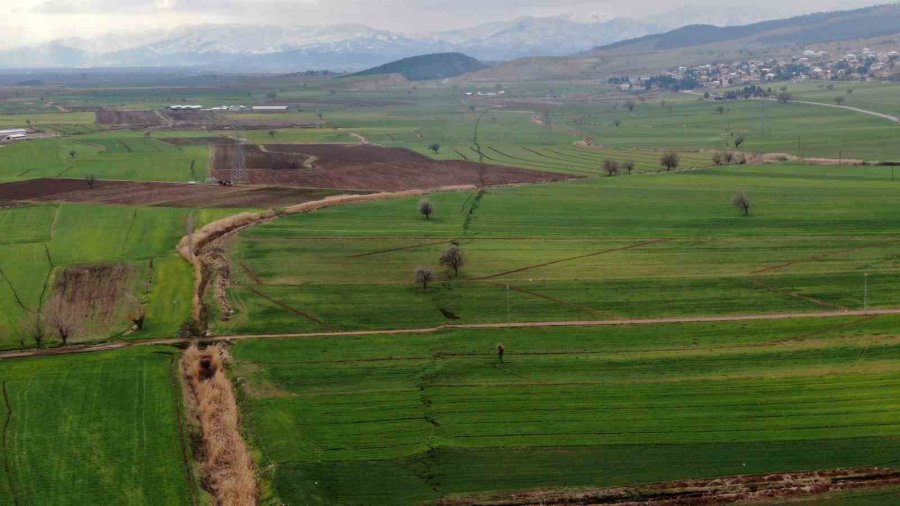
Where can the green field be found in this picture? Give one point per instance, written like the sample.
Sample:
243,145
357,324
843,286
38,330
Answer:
93,429
104,155
38,242
603,248
378,419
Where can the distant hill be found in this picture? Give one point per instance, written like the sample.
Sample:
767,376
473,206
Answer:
429,66
699,44
809,29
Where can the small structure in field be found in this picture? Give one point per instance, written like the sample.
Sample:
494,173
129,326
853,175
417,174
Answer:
14,134
270,108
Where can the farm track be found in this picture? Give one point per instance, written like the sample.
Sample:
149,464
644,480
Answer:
675,320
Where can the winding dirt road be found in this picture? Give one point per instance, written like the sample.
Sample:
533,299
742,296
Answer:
180,341
876,114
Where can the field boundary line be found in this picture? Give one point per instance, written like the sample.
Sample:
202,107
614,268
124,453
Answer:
553,262
675,320
291,309
757,282
391,250
6,454
553,299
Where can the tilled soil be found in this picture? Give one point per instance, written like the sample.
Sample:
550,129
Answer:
156,194
364,167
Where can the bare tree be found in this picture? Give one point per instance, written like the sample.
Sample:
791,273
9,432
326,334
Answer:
91,181
426,208
424,275
628,165
630,105
669,160
839,100
453,258
617,122
33,327
717,158
738,141
742,202
61,322
320,115
720,109
611,167
728,157
500,351
72,154
784,97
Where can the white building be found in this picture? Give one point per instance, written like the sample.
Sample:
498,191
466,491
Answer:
15,134
270,108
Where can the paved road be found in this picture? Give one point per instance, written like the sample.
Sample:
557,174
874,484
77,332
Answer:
67,350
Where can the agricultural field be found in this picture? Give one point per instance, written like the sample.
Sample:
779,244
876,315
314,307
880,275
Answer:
413,418
730,344
94,429
601,248
41,246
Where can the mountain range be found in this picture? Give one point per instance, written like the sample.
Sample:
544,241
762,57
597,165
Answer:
877,27
348,47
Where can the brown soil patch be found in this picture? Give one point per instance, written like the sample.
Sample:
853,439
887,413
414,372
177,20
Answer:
90,298
228,470
743,489
365,167
156,194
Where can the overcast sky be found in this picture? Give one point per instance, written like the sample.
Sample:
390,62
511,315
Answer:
26,21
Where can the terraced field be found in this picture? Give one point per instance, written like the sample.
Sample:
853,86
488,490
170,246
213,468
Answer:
603,248
404,419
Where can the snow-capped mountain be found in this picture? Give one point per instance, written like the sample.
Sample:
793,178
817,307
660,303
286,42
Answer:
347,47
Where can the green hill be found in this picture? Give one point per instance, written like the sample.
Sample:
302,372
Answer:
429,66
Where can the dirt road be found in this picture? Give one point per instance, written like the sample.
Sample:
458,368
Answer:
876,114
178,341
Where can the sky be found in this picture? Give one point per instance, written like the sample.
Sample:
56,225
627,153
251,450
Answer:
28,21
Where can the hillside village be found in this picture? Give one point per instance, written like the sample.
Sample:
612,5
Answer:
863,65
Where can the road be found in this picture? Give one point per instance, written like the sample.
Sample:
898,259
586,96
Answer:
180,341
881,115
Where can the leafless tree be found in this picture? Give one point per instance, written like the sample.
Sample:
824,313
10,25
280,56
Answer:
452,258
738,141
500,351
72,154
728,157
742,202
61,322
839,100
426,208
717,158
669,160
628,165
91,181
617,122
784,97
33,327
424,275
720,109
629,104
611,167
